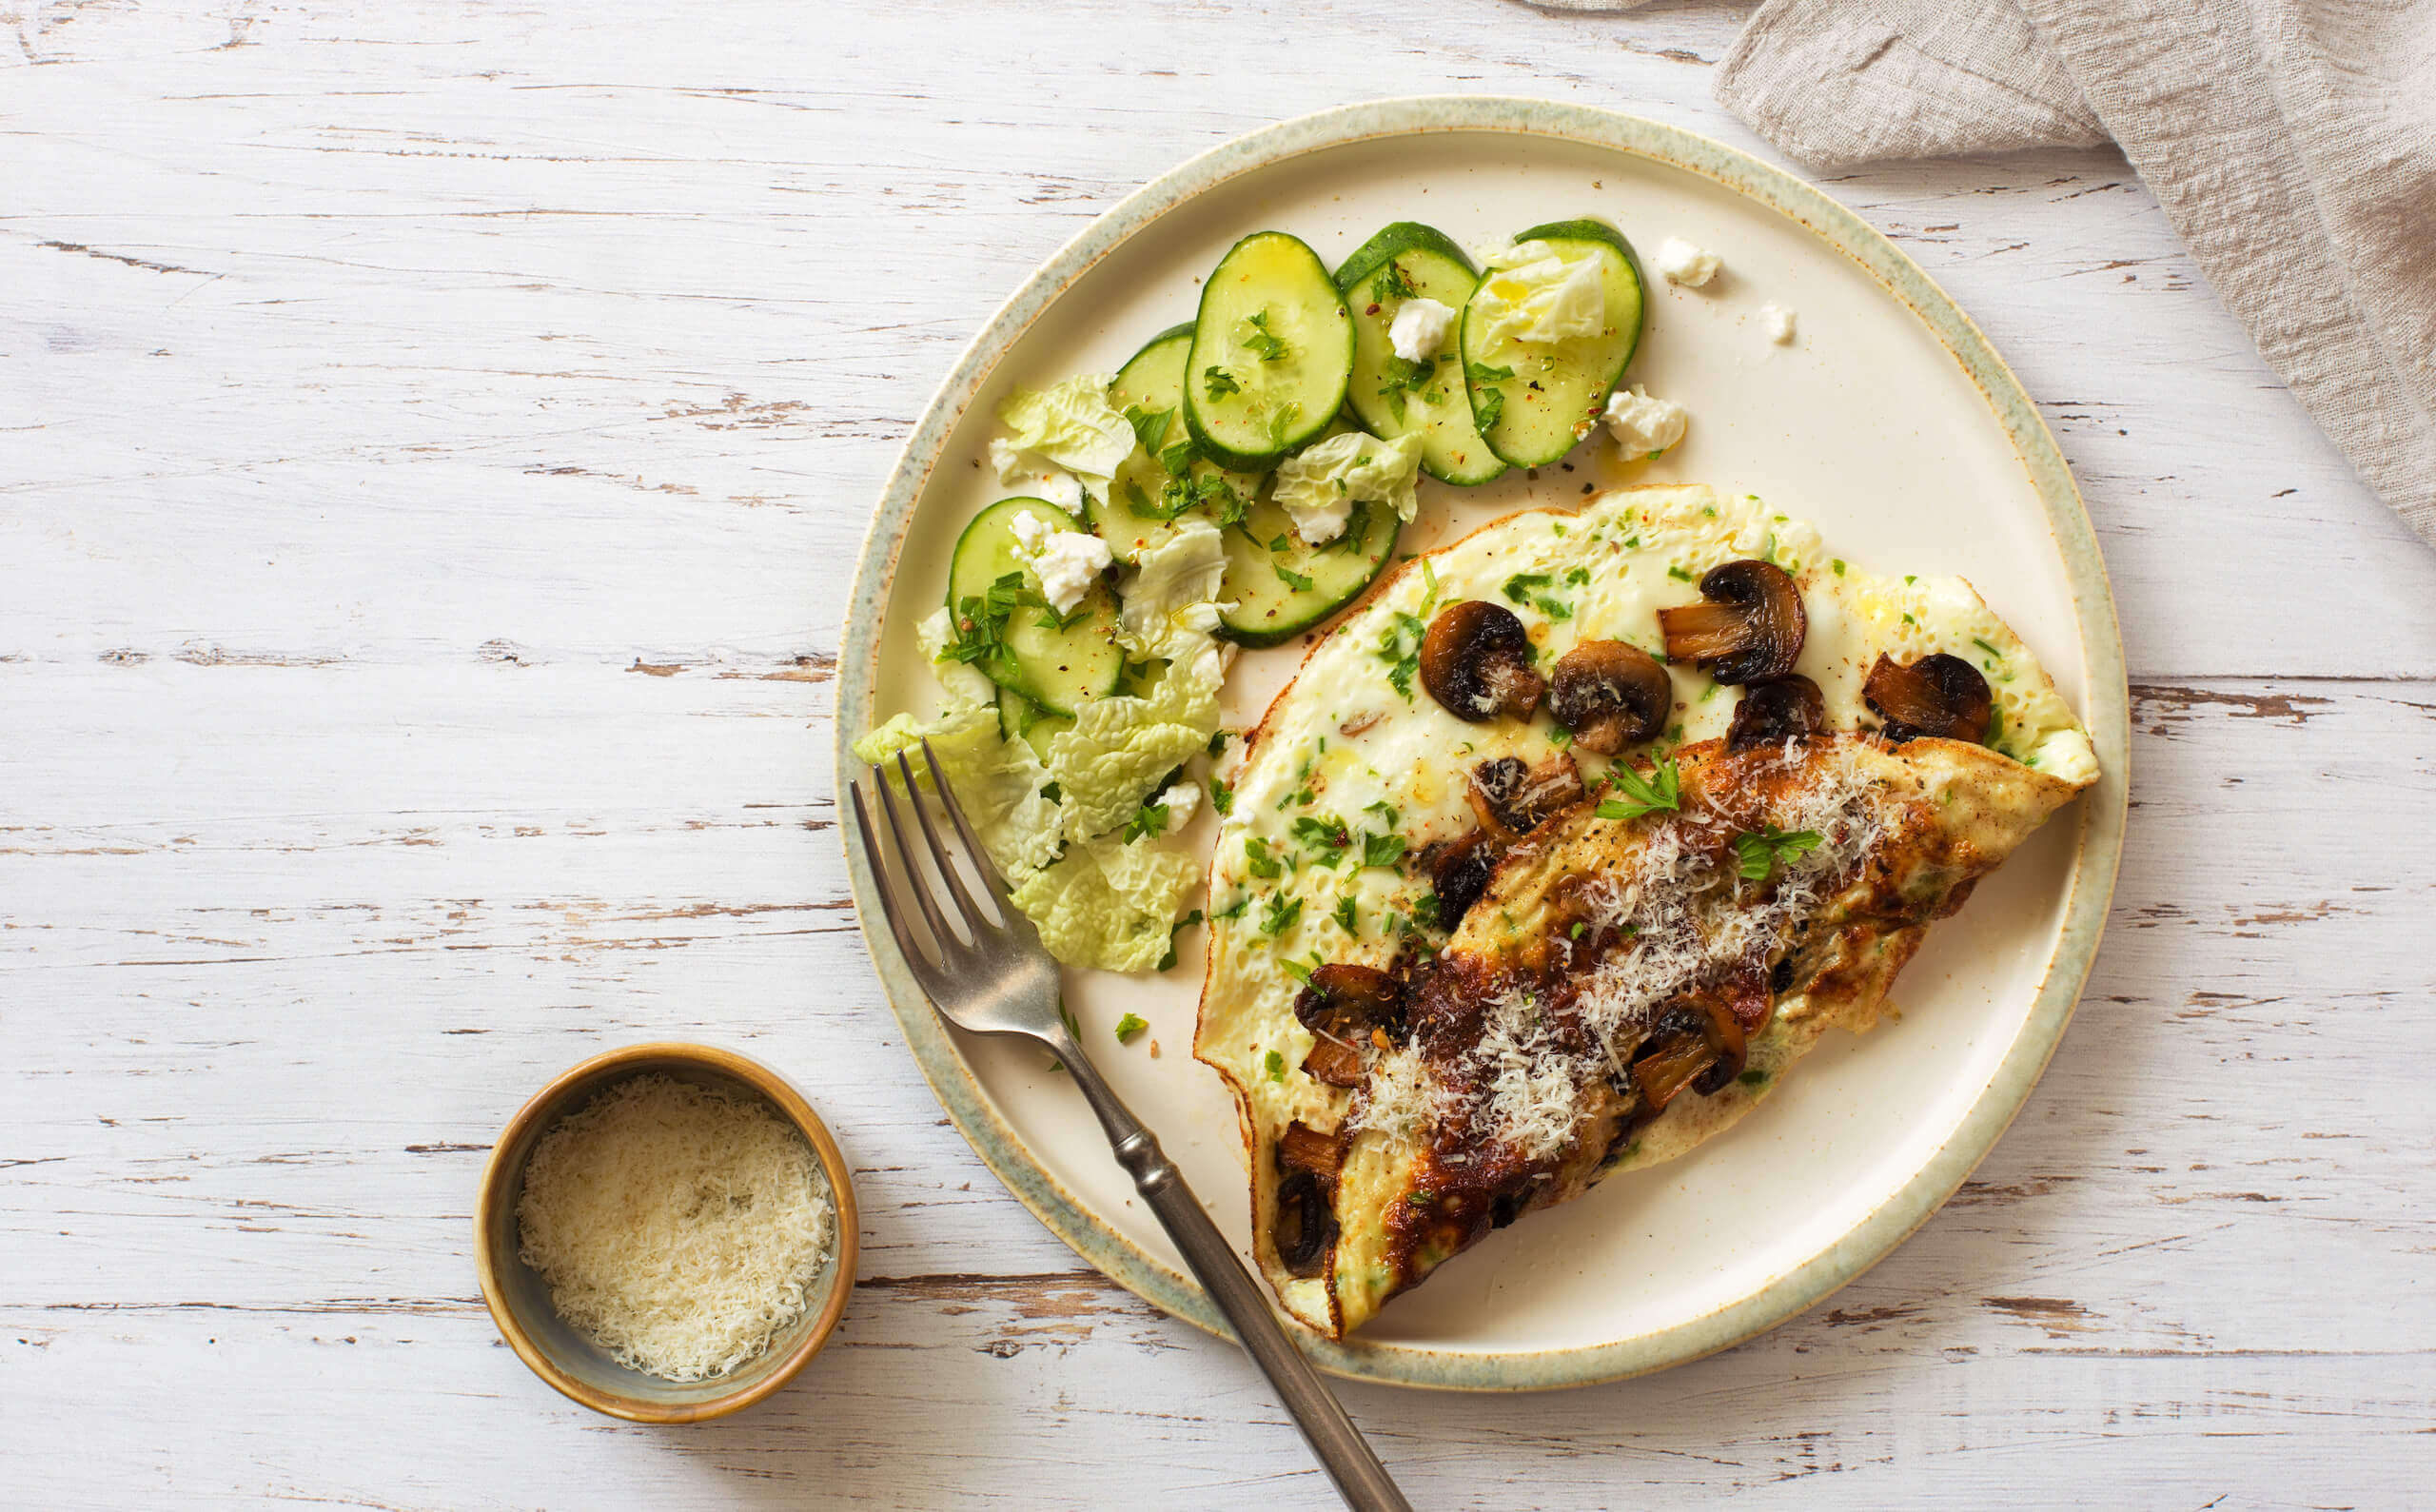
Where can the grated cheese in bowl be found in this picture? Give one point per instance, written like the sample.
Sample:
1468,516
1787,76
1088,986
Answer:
677,1226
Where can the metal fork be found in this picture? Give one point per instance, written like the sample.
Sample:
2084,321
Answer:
992,976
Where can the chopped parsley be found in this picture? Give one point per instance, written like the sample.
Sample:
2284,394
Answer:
1280,913
1329,837
1218,383
1257,860
1382,850
1130,1025
1149,819
1275,1064
1263,341
1522,586
1291,579
1400,648
1221,797
1149,425
1393,283
1279,420
1482,373
1677,573
1757,856
981,625
1343,914
1660,791
1488,404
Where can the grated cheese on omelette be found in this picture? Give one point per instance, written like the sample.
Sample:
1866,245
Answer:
677,1226
1686,917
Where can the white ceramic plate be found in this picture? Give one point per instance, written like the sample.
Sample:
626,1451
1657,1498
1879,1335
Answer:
1888,424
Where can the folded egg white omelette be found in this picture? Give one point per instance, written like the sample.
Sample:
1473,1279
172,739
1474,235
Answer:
1626,986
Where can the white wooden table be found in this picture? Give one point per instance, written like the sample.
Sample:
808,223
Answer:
434,440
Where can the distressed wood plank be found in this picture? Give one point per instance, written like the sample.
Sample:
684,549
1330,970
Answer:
433,446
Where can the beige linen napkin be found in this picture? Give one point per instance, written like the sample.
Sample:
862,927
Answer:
2293,144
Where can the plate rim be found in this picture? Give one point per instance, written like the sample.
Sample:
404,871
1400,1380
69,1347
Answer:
2104,808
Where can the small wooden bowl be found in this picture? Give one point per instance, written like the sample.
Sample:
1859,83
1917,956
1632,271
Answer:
519,1300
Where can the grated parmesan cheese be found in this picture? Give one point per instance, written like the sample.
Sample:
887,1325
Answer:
1686,917
677,1226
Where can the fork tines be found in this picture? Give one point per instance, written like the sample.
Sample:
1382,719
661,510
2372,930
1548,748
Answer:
925,884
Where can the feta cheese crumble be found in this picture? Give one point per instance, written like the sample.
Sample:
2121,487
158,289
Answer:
1686,263
1066,561
1778,322
1419,329
1180,801
1642,425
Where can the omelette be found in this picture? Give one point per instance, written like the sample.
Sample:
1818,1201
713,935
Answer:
1561,850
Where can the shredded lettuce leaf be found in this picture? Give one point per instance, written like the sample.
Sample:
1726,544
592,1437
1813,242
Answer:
1167,604
997,782
1071,424
1109,904
1320,484
1122,747
1534,294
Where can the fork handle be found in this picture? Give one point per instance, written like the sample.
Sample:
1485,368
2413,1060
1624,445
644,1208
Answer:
1361,1480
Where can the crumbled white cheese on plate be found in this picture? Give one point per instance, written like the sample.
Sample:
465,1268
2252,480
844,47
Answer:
1419,329
1180,801
1644,426
1778,322
1687,264
1066,561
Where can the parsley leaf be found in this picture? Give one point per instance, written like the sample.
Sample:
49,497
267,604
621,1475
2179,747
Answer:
1487,405
1256,857
1292,580
1149,819
1393,283
1345,915
1660,791
981,625
1179,456
1279,913
1221,797
1327,837
1275,1065
1400,648
1281,419
1482,373
1757,857
1218,383
1149,424
1263,340
1382,850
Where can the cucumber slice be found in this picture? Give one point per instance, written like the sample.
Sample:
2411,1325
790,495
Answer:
1060,668
1272,350
1278,594
1391,396
1552,392
1019,719
1128,520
